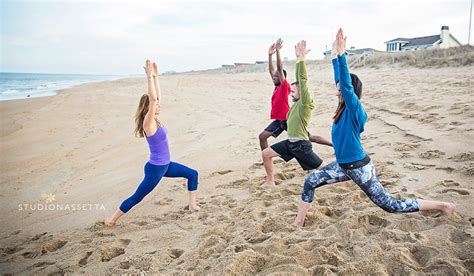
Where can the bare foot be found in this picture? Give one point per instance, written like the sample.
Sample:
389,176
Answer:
297,224
449,208
268,184
194,208
109,222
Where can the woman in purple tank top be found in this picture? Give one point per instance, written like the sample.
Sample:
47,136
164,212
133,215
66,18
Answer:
160,164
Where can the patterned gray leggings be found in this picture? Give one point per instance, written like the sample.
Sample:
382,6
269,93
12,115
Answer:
365,178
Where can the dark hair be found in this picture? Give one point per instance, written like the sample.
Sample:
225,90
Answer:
284,73
357,85
295,82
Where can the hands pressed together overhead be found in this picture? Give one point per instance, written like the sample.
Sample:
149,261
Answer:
300,50
275,47
151,69
339,45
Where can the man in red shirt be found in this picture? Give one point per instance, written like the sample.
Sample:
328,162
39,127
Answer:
280,105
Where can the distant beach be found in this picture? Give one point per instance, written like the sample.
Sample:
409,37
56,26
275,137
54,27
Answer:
32,85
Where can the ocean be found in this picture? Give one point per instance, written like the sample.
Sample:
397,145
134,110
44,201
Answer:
31,85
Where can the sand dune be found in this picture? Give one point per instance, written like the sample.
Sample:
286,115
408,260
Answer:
79,146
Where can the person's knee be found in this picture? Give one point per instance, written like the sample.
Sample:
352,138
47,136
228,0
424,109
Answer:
267,153
313,179
308,184
194,174
263,136
308,191
130,202
193,180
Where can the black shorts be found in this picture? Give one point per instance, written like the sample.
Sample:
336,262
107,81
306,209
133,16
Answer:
301,150
276,127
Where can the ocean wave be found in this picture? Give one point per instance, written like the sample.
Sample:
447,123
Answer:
10,91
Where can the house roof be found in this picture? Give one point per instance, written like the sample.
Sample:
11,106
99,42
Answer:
424,40
398,39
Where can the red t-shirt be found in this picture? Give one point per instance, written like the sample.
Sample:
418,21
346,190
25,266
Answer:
280,105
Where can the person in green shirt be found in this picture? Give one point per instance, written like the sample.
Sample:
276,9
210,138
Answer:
297,145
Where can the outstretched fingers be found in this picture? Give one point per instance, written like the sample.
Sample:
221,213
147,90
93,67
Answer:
279,44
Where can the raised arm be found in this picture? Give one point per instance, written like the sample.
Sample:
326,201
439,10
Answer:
156,82
301,74
279,45
335,62
345,82
149,124
271,68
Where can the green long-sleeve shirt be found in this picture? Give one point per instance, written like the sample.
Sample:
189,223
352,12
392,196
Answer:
299,115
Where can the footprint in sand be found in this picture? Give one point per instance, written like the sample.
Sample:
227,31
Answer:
43,264
38,236
449,183
447,168
83,260
458,236
257,238
458,191
53,246
288,192
462,157
417,166
164,201
284,176
406,155
140,223
431,154
423,254
102,234
330,212
468,170
176,253
373,223
30,255
406,147
213,244
124,242
108,253
223,172
235,183
125,265
11,250
455,123
240,247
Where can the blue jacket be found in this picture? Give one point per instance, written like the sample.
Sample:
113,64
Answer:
346,133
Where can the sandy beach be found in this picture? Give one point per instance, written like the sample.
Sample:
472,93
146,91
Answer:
78,148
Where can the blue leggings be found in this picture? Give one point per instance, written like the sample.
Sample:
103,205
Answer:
365,178
153,175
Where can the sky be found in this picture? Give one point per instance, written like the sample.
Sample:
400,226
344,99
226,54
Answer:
115,37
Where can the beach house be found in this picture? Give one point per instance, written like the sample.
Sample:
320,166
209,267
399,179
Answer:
442,40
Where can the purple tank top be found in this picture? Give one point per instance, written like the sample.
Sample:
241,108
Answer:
159,149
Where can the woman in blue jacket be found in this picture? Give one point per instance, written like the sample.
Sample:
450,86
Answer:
352,163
